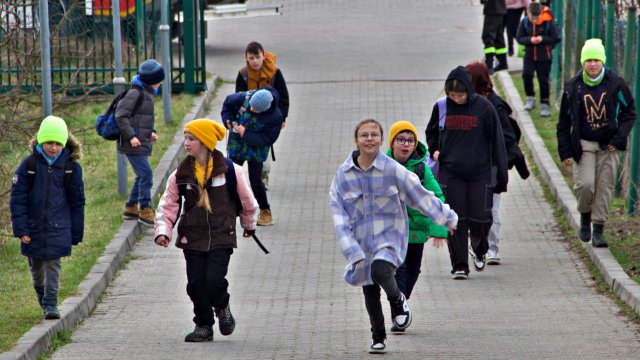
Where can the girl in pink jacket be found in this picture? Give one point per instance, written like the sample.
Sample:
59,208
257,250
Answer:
212,192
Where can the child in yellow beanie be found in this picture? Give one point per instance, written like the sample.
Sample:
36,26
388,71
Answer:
215,192
47,188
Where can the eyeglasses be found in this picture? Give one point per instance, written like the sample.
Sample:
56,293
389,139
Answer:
365,136
402,141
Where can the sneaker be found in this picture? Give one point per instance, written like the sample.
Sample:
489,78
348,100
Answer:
459,275
545,110
531,103
396,329
265,218
226,322
146,217
377,346
400,313
51,312
493,258
130,212
479,262
200,334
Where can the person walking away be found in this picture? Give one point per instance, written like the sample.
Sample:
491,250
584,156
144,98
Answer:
405,148
368,197
493,34
597,113
47,207
539,35
483,85
472,126
261,70
255,122
515,9
137,135
206,232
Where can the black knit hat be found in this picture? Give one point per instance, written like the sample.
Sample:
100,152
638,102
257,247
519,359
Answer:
151,72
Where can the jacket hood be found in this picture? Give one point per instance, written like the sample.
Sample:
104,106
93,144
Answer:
461,74
73,145
267,72
545,15
419,154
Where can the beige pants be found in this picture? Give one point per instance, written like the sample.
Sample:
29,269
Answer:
594,180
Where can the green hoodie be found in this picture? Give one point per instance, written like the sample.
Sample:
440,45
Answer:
420,226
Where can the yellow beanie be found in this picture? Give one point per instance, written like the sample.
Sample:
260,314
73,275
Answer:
207,131
399,127
53,128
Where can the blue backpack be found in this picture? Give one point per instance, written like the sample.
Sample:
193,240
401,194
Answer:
106,125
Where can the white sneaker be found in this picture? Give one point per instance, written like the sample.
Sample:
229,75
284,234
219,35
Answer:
493,258
401,313
479,262
531,104
377,347
545,110
459,275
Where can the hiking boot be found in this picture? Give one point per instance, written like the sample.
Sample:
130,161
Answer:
545,110
131,212
396,329
493,258
459,275
226,322
400,313
377,346
200,334
598,239
265,218
585,227
531,103
502,63
146,217
51,312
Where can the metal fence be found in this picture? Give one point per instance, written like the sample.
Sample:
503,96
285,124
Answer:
82,56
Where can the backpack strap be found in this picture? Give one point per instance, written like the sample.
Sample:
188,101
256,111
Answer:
245,75
418,169
31,171
442,112
139,101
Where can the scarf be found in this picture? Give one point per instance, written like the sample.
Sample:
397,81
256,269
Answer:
592,82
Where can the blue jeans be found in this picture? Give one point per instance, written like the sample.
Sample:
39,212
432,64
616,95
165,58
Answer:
141,189
46,276
407,274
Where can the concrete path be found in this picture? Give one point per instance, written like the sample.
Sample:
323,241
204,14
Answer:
345,61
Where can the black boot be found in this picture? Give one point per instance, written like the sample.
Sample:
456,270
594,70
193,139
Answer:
585,227
488,60
598,236
502,62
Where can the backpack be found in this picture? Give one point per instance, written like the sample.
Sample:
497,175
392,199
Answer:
442,112
106,125
527,27
31,171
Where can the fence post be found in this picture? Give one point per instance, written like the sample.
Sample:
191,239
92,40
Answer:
140,26
608,47
45,58
589,18
597,9
568,54
118,87
634,162
580,20
166,61
556,68
189,36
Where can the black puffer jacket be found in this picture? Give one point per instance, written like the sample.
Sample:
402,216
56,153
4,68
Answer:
141,124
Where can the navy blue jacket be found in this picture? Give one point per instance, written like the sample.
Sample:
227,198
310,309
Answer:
51,213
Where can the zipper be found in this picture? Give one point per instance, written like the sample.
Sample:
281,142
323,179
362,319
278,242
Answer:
46,207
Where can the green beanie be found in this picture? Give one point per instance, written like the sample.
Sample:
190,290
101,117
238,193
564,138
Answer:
593,50
53,128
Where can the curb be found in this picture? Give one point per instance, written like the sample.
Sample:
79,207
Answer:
76,308
624,287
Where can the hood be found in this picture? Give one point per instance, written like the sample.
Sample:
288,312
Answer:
73,145
461,74
545,15
418,155
268,71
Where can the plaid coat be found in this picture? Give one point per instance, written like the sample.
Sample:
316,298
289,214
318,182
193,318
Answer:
370,215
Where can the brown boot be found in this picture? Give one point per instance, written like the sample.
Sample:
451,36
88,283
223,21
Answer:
265,218
130,212
147,217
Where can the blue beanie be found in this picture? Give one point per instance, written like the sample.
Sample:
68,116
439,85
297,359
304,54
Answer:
151,72
261,100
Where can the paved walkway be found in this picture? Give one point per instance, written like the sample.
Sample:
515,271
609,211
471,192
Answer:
344,61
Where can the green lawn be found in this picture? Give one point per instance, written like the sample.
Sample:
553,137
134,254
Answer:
20,310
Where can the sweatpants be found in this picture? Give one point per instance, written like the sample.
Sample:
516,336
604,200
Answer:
542,70
594,178
382,273
255,179
472,200
407,274
494,232
493,34
46,277
206,282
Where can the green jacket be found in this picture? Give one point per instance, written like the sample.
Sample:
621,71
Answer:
420,226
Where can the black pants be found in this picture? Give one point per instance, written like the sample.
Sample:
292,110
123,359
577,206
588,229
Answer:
206,282
511,23
407,274
472,200
255,179
382,274
493,32
542,70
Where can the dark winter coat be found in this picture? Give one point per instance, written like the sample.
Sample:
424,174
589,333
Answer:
472,140
262,129
504,110
141,124
546,28
620,111
50,212
278,83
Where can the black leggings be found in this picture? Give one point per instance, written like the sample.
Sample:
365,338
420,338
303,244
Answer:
382,273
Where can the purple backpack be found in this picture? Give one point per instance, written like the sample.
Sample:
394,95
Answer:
442,112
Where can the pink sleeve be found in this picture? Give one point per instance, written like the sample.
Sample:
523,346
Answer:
249,213
167,210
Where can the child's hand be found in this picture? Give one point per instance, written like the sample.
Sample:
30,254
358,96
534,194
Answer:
248,233
154,137
240,129
162,241
436,155
134,142
26,239
438,242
